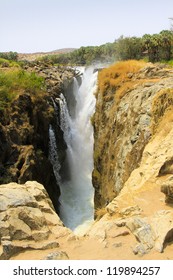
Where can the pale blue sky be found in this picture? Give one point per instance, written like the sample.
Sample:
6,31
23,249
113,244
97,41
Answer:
46,25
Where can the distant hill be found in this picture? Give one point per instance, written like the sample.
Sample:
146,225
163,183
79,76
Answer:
65,50
33,56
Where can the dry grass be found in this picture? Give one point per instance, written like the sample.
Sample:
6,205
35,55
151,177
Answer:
110,79
119,79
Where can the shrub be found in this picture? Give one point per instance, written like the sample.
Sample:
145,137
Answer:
9,55
14,81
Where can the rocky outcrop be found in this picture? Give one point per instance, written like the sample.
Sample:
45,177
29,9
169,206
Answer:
133,155
28,220
132,99
24,131
140,202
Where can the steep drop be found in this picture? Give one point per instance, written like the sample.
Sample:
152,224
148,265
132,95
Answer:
77,193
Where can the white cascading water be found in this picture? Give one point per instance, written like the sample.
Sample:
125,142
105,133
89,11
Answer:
77,193
53,155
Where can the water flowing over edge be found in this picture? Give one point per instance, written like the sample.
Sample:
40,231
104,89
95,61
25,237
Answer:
77,193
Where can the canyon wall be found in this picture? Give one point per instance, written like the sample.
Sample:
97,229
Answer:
132,99
132,176
24,131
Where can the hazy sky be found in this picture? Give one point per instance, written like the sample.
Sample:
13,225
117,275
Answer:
46,25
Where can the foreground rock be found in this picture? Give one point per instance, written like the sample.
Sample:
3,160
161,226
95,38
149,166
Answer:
27,220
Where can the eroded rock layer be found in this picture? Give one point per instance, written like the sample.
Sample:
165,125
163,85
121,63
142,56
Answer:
132,99
134,154
27,220
24,130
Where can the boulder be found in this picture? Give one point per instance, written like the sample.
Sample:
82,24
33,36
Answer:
27,219
162,224
153,232
10,248
143,233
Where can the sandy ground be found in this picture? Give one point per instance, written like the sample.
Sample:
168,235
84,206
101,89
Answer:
149,199
91,249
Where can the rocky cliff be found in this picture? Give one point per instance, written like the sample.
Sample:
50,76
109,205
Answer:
132,99
132,176
24,129
133,153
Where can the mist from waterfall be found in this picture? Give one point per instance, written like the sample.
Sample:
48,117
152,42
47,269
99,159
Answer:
77,193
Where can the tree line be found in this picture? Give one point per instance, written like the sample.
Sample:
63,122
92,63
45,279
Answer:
154,48
9,55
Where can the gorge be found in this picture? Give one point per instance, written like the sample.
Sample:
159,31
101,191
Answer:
131,165
75,180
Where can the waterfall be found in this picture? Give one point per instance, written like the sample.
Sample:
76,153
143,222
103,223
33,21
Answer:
77,193
53,155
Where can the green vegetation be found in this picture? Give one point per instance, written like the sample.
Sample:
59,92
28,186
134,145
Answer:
9,63
9,55
14,81
156,47
84,55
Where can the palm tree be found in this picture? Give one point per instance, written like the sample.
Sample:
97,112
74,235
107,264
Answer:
151,46
166,37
